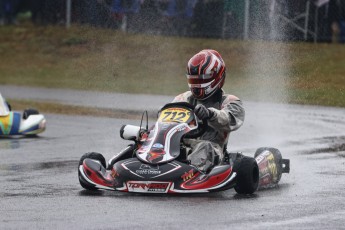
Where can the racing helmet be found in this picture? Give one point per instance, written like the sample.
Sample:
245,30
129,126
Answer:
205,73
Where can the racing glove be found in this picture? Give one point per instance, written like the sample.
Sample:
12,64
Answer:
202,112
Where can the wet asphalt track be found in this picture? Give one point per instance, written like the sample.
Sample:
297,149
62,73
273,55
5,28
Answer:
40,189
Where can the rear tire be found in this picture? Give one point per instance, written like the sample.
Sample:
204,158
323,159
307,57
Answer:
95,156
247,176
28,112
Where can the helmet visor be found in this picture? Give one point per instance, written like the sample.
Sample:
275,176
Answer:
199,79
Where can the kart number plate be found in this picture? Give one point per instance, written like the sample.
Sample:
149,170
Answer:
174,115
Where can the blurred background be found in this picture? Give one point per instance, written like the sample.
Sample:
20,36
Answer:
311,20
285,51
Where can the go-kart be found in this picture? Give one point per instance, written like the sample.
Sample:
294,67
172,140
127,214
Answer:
160,165
30,123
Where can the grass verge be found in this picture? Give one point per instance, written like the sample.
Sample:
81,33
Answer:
108,60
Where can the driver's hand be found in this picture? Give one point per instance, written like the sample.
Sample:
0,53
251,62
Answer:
202,112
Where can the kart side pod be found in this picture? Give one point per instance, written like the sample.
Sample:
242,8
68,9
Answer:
130,132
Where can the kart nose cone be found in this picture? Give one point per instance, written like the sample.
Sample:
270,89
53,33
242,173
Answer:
42,125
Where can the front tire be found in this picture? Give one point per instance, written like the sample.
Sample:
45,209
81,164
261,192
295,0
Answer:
247,176
95,156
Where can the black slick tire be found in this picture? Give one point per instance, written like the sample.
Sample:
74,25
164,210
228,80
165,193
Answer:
247,176
95,156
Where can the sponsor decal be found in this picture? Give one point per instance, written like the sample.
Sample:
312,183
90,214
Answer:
148,186
267,167
114,173
272,167
144,166
187,175
155,154
262,156
263,169
148,170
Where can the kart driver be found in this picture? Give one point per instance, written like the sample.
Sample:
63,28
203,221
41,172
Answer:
5,107
224,112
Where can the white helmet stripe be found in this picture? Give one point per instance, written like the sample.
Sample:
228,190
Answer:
210,66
